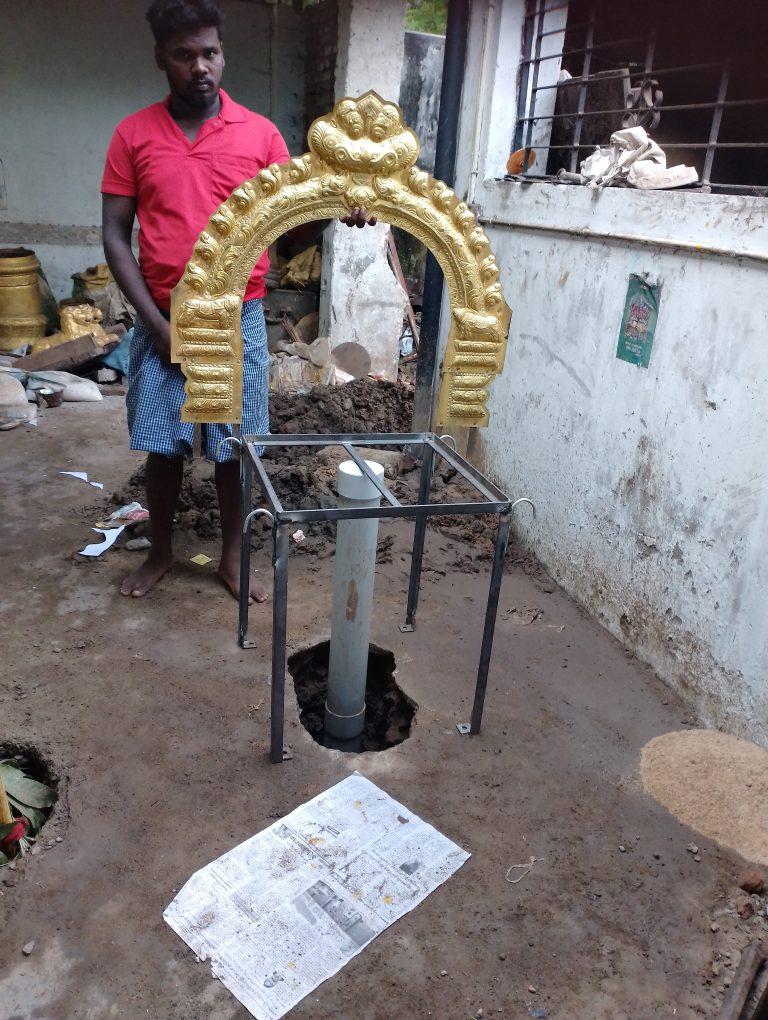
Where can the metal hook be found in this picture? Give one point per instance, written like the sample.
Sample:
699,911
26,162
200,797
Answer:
449,439
523,499
228,439
256,513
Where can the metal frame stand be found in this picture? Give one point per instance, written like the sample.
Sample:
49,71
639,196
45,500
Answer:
497,572
419,534
246,485
279,624
492,500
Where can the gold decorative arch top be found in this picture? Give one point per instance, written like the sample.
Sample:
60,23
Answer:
362,154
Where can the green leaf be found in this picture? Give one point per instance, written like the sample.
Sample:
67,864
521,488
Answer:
4,858
36,819
427,16
5,829
25,790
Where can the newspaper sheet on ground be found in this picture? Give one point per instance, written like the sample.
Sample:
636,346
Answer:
289,907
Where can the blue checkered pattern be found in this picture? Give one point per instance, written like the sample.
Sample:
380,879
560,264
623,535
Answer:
156,393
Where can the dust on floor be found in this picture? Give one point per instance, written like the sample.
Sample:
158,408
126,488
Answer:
157,724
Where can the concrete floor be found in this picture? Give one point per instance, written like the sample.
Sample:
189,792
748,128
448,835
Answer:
158,725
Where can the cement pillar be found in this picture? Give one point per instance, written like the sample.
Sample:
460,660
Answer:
360,299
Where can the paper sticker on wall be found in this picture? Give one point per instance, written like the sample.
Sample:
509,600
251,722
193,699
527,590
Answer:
638,324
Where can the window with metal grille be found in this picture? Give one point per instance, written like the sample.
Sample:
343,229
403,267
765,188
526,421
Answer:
692,72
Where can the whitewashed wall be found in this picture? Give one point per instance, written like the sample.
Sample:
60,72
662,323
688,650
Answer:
650,483
360,299
71,71
420,90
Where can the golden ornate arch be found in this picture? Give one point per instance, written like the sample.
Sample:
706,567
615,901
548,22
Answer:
362,154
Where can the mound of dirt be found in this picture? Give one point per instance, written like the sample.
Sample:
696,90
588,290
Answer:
361,406
303,481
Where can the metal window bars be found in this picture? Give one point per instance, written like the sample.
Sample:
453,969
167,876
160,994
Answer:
491,501
535,35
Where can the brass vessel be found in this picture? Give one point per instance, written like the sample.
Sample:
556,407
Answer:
21,307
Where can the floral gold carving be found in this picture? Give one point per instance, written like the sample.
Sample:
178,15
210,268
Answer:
361,154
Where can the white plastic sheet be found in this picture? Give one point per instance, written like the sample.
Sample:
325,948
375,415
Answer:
634,159
111,535
83,476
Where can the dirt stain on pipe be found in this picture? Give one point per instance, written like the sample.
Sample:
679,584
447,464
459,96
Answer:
352,600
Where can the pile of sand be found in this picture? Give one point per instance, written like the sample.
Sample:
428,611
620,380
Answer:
714,783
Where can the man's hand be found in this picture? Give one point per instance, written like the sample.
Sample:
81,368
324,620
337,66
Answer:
161,338
359,218
300,238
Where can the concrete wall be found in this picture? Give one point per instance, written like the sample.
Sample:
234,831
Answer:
321,32
420,90
71,71
360,299
420,103
650,486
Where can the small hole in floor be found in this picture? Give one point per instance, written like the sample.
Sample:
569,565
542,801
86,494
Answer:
31,787
389,712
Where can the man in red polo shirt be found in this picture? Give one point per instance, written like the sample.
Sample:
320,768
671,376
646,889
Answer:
170,165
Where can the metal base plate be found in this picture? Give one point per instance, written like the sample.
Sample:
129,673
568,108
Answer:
463,728
406,628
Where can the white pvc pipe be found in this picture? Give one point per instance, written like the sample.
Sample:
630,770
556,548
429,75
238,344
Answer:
353,576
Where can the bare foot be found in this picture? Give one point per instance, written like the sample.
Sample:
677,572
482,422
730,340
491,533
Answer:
229,574
140,581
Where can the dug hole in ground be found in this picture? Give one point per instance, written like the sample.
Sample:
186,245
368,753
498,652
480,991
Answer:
156,725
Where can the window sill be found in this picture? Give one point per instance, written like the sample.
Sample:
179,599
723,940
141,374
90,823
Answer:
725,225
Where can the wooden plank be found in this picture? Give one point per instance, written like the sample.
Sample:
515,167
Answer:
761,1006
395,259
736,997
71,354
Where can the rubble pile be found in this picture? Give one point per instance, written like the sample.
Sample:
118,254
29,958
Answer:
304,477
741,921
299,476
365,405
86,348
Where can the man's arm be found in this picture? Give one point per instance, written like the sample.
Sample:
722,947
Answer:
117,216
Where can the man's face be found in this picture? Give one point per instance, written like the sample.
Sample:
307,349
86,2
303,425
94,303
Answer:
194,63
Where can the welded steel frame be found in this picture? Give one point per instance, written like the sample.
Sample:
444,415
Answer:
284,521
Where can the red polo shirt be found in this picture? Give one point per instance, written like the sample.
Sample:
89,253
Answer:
178,184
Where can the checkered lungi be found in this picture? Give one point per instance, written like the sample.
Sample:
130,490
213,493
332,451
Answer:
156,393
